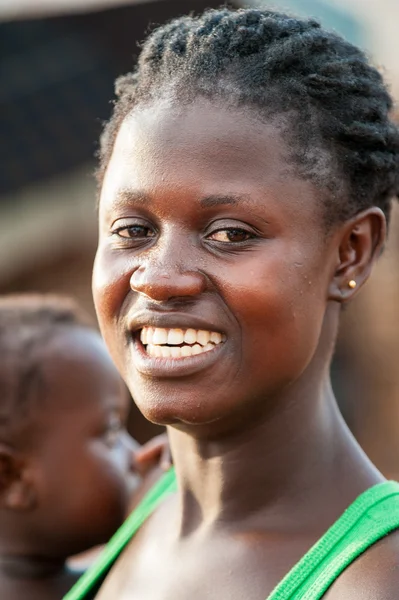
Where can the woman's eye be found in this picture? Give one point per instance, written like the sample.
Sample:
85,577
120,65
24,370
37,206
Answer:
231,235
134,232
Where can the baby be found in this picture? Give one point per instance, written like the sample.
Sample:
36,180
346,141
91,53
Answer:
68,467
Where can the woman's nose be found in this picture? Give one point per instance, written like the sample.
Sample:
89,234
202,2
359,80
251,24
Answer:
163,284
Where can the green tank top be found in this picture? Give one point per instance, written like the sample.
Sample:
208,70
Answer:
374,514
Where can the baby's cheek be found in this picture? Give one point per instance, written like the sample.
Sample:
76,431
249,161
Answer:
117,490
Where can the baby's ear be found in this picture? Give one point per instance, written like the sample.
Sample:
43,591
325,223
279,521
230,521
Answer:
16,491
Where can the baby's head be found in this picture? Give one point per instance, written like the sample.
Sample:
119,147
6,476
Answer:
65,456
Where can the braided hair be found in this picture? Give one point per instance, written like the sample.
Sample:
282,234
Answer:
334,103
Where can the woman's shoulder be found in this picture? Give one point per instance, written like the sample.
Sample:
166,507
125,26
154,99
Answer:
374,575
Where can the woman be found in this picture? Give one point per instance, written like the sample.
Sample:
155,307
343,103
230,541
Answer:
246,179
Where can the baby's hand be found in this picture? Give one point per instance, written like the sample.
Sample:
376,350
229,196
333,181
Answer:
150,463
155,453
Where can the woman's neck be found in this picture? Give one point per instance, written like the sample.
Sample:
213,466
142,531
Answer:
299,466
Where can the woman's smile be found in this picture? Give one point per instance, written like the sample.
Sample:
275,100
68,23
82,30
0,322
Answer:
175,352
173,344
178,342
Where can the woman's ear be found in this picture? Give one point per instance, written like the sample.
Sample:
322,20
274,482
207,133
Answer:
16,490
360,244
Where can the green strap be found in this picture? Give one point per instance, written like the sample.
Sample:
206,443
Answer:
165,486
374,514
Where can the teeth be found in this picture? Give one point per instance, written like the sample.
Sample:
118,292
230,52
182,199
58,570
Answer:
177,351
154,350
165,351
160,336
190,337
216,337
203,337
176,337
178,343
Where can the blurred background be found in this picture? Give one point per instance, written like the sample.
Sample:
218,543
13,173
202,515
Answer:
58,61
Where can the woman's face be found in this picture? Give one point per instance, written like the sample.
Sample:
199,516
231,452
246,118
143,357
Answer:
212,272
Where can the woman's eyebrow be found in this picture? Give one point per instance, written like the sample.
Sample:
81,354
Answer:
126,196
215,200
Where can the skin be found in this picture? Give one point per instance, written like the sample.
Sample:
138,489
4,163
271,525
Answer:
71,469
222,232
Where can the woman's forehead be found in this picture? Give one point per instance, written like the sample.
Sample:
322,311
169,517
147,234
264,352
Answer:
173,161
198,141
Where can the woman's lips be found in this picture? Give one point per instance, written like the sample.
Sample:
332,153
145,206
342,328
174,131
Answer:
175,352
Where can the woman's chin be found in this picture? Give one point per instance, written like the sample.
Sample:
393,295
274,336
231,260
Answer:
182,414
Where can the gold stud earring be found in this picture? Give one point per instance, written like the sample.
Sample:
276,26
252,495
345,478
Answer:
352,284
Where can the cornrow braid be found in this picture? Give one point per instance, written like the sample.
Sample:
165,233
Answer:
334,104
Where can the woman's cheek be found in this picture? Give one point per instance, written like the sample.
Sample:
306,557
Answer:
111,287
111,277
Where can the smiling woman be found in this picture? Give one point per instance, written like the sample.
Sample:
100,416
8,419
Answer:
212,246
246,180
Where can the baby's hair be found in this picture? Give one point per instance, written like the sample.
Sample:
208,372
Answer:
334,104
27,323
